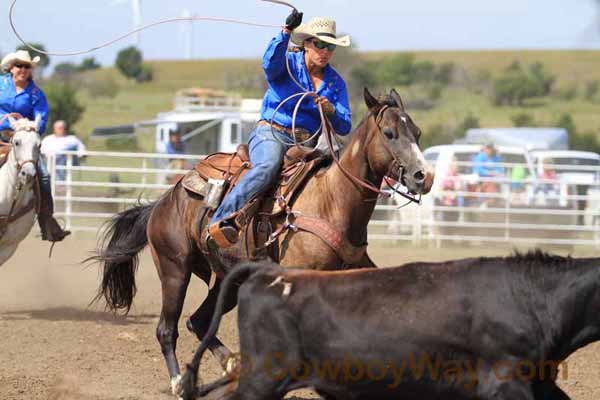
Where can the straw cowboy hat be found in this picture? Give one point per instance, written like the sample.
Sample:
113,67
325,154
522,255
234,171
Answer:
20,55
320,28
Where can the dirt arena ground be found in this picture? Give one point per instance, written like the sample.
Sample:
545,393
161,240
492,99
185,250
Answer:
54,347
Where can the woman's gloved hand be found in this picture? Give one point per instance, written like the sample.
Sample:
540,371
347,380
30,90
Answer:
293,20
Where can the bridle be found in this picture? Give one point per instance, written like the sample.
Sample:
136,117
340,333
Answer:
396,164
21,164
34,203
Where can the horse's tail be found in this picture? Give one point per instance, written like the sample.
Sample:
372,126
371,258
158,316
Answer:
236,277
126,237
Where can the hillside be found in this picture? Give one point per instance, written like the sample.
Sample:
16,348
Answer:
572,69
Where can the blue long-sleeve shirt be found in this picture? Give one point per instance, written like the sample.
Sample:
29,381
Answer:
281,86
484,166
30,103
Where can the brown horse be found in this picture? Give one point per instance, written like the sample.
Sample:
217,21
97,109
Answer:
385,143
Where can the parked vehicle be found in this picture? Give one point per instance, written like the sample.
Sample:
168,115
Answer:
538,138
458,203
576,172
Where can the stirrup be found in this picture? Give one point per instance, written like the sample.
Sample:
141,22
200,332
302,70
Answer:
223,236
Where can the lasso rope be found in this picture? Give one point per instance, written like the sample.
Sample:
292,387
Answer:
305,92
139,29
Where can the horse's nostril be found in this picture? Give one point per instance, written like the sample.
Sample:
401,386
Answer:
419,176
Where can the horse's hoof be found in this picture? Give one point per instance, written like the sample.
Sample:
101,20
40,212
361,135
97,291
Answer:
176,388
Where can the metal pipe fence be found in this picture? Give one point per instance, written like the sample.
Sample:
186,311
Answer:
516,211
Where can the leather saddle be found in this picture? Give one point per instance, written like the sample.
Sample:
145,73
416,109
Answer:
220,172
4,152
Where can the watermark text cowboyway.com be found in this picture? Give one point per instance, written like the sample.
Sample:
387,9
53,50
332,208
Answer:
434,367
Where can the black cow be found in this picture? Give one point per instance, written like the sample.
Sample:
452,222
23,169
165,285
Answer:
480,328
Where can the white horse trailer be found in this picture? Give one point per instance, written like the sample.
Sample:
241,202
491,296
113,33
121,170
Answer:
206,121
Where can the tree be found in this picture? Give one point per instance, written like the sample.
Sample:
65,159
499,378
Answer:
518,84
523,119
444,72
129,62
88,64
63,103
566,122
44,59
469,122
591,89
65,71
398,70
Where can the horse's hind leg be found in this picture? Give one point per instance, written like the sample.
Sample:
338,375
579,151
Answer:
199,321
174,278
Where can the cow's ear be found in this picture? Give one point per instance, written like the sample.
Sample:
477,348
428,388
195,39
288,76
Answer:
371,102
12,122
397,99
38,122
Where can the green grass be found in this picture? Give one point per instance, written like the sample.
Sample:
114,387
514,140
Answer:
136,102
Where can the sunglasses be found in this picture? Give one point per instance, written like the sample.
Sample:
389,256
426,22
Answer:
26,66
323,45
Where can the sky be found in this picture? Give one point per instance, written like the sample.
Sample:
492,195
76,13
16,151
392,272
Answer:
70,25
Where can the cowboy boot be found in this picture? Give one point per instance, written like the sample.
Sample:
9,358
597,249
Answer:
50,228
224,233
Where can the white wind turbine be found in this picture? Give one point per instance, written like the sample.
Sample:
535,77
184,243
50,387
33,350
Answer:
136,13
186,31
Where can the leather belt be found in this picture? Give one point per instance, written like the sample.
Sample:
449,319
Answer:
301,134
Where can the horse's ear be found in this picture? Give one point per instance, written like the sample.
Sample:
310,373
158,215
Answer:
12,122
38,122
394,95
371,102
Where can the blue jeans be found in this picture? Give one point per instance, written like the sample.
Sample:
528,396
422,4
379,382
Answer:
266,156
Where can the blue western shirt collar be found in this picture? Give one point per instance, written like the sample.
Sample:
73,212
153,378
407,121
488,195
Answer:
327,73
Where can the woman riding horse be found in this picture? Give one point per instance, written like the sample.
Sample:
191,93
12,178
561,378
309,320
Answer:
310,68
20,97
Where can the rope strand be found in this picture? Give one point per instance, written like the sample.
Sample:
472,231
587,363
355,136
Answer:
139,29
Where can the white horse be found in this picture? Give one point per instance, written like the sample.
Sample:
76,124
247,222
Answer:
17,182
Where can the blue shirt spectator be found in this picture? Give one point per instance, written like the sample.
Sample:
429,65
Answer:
486,163
30,102
175,145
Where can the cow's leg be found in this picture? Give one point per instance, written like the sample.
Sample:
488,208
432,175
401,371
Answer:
174,278
198,323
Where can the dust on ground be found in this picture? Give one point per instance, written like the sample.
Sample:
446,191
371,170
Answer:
54,346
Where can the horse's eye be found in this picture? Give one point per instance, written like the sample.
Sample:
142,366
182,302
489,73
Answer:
17,142
389,133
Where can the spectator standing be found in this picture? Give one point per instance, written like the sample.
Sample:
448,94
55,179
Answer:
175,145
486,164
59,141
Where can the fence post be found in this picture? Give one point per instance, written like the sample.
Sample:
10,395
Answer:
51,165
419,228
69,191
144,167
507,211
